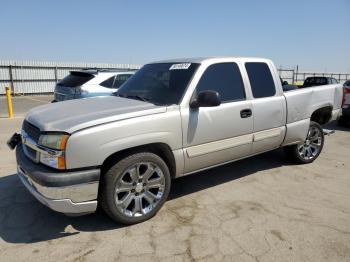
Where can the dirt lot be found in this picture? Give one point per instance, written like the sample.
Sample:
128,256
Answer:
258,209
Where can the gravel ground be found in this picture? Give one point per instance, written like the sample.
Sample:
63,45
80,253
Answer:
257,209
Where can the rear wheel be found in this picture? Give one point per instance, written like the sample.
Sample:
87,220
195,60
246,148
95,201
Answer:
135,188
308,151
344,122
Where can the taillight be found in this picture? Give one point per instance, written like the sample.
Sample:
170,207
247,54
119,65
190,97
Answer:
81,91
77,90
346,97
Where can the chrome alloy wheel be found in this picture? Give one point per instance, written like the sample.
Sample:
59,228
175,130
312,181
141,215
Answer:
139,189
312,145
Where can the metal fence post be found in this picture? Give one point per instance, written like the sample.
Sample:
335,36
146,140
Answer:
11,79
56,80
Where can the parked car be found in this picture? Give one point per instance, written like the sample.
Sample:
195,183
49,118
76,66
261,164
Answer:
345,118
172,118
319,81
89,83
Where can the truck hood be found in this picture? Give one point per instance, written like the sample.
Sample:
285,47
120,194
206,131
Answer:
70,116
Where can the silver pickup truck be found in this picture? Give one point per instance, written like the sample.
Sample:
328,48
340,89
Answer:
172,118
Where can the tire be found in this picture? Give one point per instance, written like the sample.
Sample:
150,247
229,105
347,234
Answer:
344,122
129,192
308,151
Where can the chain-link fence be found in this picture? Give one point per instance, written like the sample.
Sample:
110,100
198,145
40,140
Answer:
36,77
293,76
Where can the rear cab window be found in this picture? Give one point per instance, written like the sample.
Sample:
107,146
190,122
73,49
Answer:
75,79
261,80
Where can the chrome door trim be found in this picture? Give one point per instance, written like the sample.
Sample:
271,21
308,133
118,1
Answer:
266,134
219,145
225,163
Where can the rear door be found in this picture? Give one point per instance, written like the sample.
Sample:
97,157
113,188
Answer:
268,105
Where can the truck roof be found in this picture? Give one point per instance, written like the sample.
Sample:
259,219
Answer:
208,59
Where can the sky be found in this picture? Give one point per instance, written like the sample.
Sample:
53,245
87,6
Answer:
313,34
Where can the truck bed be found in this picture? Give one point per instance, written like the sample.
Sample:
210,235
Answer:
301,103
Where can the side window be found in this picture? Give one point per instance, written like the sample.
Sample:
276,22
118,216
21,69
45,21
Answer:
260,79
226,79
120,79
108,83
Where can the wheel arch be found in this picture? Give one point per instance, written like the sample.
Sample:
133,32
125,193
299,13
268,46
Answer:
322,115
163,150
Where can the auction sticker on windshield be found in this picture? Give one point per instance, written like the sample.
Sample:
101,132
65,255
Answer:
180,66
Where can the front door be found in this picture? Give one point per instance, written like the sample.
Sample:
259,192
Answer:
213,135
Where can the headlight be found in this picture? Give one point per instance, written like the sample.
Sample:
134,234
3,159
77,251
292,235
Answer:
54,141
54,146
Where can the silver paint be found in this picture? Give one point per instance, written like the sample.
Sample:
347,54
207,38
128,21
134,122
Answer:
200,138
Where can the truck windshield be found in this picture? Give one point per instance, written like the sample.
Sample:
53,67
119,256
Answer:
160,84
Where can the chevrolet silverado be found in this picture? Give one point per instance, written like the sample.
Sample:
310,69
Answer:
172,118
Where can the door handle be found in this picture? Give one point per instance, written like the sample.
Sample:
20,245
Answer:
246,113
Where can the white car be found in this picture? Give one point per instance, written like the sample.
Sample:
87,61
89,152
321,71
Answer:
89,83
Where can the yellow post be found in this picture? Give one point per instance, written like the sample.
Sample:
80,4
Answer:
9,102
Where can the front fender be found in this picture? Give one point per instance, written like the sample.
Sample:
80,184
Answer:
91,146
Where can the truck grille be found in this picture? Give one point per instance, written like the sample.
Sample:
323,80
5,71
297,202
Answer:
31,153
32,131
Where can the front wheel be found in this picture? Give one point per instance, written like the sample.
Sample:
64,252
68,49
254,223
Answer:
135,188
308,151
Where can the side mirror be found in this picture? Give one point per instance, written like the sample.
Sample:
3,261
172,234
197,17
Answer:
207,98
285,83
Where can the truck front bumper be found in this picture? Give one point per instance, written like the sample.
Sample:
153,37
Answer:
69,192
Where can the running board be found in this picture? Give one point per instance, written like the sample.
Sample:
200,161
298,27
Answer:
328,132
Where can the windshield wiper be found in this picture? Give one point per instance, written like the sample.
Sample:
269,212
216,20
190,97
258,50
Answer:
141,98
144,99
